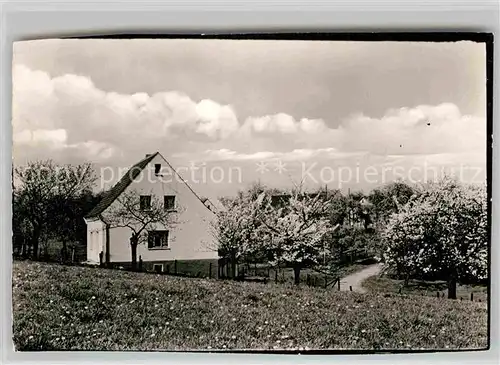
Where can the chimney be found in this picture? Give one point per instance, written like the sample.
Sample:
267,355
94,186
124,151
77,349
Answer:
148,155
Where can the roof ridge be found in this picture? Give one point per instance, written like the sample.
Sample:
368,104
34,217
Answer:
112,194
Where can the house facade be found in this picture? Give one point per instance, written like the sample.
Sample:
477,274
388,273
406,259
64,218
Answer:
189,239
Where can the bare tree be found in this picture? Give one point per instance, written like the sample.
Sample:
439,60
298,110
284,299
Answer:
127,212
39,183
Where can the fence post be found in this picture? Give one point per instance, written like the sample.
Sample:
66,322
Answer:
276,276
472,297
140,263
210,271
308,280
100,258
175,267
438,294
350,288
338,284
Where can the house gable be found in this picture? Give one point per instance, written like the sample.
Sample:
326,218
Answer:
190,238
129,177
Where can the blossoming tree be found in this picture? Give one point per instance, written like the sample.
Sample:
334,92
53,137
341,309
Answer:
236,230
441,233
296,231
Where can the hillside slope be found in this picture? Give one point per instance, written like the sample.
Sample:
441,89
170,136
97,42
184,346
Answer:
60,308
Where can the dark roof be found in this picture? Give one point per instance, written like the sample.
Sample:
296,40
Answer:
110,196
284,196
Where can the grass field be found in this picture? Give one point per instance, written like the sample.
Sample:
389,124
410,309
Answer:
74,308
383,284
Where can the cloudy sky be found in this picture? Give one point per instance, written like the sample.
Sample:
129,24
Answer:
276,111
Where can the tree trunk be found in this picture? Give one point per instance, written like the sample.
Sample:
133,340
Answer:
452,288
34,244
64,251
133,249
233,266
24,249
407,279
46,249
296,275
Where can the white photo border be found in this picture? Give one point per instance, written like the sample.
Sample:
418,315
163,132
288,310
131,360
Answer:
22,20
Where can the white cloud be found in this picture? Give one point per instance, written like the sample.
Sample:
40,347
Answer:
215,119
56,140
229,155
56,137
293,155
73,103
68,115
312,125
282,123
421,130
94,149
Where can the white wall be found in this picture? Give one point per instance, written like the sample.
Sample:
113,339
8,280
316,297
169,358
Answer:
96,238
190,239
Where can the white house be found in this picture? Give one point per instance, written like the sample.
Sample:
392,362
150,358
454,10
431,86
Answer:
189,240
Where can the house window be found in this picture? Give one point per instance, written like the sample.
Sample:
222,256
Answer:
158,268
157,168
169,202
145,202
158,239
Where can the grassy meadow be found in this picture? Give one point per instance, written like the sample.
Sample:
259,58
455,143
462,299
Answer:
75,308
384,284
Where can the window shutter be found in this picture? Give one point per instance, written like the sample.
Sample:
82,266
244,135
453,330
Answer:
150,240
165,239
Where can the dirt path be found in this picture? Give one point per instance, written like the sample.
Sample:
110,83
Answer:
355,279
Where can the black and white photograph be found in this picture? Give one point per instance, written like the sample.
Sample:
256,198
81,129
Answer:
248,194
